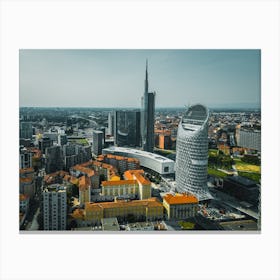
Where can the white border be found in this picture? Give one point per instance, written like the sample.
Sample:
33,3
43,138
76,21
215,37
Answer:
155,24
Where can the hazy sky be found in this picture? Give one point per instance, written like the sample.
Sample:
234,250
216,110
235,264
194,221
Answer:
115,78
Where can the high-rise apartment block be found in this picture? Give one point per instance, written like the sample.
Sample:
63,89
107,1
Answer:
148,117
54,159
192,152
26,130
44,143
25,158
97,144
127,128
54,207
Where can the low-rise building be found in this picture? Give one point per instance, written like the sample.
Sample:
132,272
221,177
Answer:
27,181
120,162
84,189
180,206
149,209
143,183
119,188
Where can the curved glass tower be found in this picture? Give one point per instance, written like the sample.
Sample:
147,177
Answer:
192,152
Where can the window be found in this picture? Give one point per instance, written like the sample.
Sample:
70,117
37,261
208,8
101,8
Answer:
166,169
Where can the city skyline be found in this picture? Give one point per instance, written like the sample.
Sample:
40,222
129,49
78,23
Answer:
82,78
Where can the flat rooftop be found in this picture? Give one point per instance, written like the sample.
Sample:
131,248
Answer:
239,225
138,152
242,180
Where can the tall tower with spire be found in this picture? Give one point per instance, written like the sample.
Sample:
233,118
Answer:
147,116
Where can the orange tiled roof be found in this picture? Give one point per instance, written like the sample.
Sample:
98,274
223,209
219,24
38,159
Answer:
78,214
150,202
138,175
84,183
25,180
74,180
118,183
26,170
23,197
180,199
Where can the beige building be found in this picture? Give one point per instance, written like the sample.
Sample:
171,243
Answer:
143,183
151,209
121,187
180,206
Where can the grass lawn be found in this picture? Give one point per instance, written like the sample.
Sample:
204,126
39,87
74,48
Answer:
253,176
186,225
213,152
216,173
246,167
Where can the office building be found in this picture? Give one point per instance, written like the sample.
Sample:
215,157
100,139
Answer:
54,207
45,142
192,152
248,138
180,206
62,139
111,124
26,130
152,162
148,117
242,188
97,143
54,159
127,128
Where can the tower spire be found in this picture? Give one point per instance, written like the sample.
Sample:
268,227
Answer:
146,80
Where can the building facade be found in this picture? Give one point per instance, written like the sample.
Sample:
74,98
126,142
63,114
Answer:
121,163
127,128
97,143
180,206
148,117
192,152
25,158
151,161
54,159
249,138
54,207
26,130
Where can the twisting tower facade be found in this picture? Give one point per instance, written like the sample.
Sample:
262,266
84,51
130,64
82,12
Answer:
192,152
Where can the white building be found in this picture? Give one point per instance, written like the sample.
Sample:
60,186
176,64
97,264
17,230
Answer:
55,207
192,152
157,163
249,138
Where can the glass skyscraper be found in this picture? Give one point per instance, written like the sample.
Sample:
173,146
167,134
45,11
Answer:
127,128
148,117
192,152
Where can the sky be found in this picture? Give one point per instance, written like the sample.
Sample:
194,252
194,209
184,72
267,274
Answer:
115,78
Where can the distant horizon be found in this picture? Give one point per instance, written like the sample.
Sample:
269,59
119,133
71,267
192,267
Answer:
103,78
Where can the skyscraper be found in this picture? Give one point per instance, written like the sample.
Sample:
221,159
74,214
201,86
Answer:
110,123
97,143
148,116
192,152
127,128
